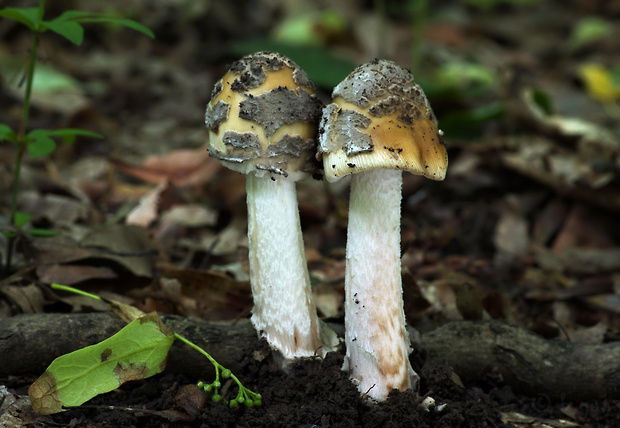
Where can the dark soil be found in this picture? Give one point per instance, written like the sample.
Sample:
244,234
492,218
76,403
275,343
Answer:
529,243
314,393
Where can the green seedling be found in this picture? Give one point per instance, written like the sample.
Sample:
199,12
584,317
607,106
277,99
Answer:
140,349
40,142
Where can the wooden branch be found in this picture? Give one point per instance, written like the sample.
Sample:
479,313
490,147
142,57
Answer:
530,364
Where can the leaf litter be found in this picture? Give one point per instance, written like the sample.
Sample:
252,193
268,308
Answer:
523,229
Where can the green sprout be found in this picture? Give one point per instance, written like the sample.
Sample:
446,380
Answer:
40,142
244,396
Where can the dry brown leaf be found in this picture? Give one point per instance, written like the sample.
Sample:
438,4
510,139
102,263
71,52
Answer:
57,209
210,289
72,274
329,300
179,167
608,302
582,228
542,160
28,298
128,245
549,220
190,215
146,211
511,237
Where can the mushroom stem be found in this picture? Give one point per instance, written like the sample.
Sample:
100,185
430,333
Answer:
378,345
284,310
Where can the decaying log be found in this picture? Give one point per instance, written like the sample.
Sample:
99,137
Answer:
530,364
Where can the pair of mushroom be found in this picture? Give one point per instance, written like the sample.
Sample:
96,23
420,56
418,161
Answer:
262,122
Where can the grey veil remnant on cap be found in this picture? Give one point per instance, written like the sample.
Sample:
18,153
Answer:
262,118
380,118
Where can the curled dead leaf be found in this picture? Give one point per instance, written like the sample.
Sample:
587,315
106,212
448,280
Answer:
44,395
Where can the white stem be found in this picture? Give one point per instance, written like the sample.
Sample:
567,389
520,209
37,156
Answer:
377,342
284,311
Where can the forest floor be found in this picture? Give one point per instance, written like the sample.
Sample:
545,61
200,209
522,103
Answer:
522,230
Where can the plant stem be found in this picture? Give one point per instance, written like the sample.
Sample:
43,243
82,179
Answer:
76,291
21,136
197,348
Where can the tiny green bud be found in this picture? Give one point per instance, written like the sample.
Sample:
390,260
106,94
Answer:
201,384
226,373
233,404
208,388
249,403
216,384
216,398
240,398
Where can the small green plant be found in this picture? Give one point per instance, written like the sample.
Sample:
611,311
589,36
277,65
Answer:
137,351
40,142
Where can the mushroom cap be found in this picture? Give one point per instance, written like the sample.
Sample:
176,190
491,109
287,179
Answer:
262,118
379,118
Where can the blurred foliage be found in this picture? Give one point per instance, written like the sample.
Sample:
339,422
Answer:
310,29
602,84
46,78
324,68
465,80
589,30
467,123
489,5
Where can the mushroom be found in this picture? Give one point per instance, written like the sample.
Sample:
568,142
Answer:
262,121
378,125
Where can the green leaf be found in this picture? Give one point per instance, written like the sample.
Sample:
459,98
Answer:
309,29
589,30
27,16
39,143
136,352
120,21
74,15
468,123
6,133
70,30
21,219
8,233
68,134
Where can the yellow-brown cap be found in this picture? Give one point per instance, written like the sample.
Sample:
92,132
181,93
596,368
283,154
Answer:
379,118
262,118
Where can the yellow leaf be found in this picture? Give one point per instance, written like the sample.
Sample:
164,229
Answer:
599,83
